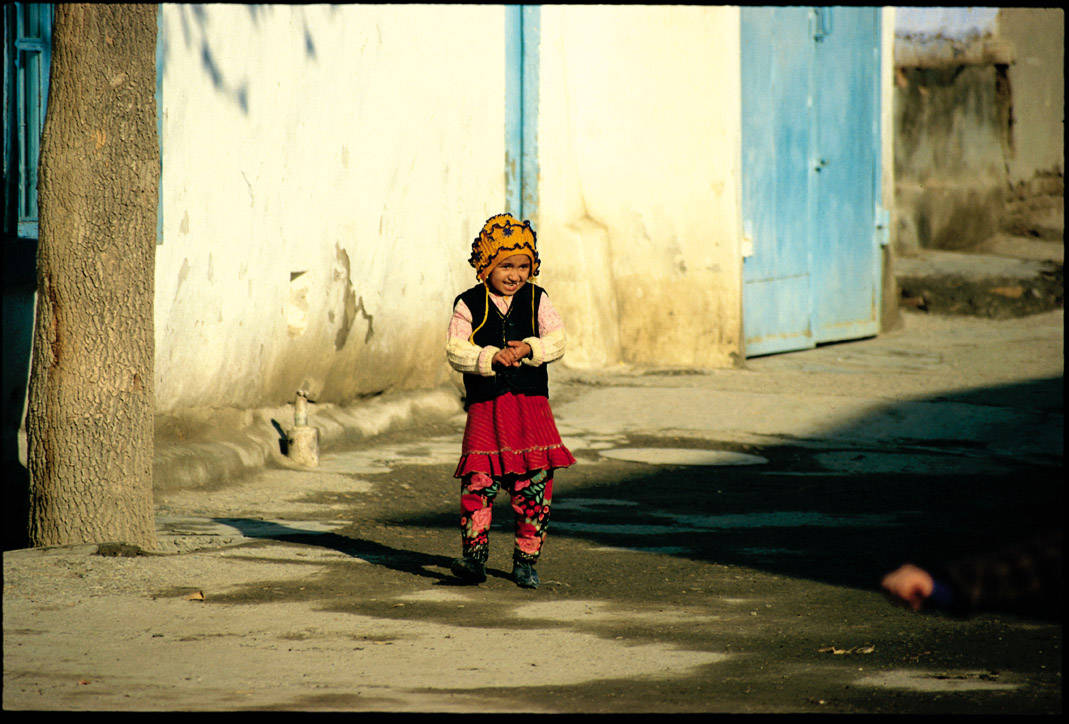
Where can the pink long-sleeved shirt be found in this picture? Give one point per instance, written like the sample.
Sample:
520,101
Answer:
465,356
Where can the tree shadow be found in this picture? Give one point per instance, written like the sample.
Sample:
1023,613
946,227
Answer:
196,17
194,20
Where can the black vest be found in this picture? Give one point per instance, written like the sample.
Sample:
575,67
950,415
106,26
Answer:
491,327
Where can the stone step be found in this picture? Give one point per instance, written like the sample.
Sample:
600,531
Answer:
984,285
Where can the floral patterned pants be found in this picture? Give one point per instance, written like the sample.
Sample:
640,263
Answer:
531,497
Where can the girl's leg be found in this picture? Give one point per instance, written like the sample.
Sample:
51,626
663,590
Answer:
531,499
477,493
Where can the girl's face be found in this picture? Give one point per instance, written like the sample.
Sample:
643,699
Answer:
511,274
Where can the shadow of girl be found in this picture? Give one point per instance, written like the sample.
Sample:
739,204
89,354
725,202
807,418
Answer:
398,559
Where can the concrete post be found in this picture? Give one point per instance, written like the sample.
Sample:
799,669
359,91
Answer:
303,442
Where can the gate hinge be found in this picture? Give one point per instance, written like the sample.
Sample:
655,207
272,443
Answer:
883,226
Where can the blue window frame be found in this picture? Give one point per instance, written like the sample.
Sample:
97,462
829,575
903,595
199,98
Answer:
27,60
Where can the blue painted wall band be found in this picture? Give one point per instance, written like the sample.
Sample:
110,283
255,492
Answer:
532,32
522,37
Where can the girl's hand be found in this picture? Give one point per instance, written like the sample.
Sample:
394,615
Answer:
506,358
511,355
522,349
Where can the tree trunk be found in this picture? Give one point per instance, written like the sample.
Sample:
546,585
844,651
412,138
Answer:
91,402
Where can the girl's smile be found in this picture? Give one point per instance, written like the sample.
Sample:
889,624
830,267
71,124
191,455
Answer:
510,275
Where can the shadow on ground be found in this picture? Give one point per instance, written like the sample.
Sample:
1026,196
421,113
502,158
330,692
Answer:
926,500
399,559
923,500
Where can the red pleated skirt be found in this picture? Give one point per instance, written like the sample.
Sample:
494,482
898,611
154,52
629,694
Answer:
511,434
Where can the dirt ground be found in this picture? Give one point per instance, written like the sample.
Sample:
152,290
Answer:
717,548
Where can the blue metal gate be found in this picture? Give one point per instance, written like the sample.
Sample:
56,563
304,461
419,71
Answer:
810,175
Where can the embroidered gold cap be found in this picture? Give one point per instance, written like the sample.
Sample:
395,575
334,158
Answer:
503,236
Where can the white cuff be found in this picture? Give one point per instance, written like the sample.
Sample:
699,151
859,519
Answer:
486,361
538,352
550,347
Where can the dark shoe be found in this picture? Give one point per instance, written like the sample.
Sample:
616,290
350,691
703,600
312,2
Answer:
468,570
525,575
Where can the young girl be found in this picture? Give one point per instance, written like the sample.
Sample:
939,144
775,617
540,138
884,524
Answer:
503,333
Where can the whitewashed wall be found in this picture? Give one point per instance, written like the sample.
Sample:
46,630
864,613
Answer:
324,171
325,168
638,145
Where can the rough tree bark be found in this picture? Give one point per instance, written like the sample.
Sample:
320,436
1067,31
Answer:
91,400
